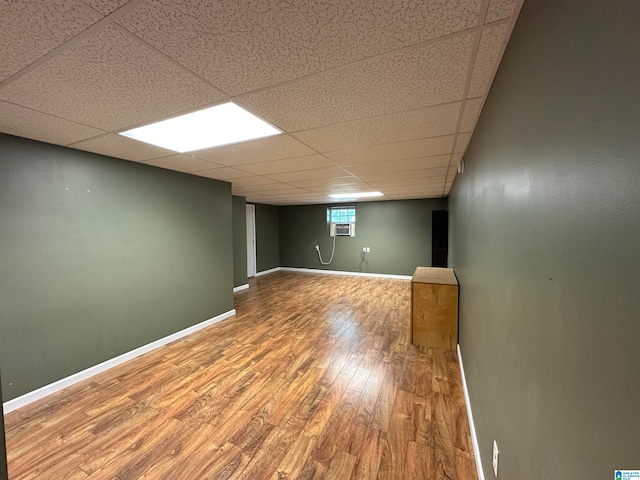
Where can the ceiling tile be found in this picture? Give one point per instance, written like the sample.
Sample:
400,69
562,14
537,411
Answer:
309,174
182,163
271,200
93,83
500,9
242,46
470,115
322,182
415,195
32,28
114,145
261,150
427,172
307,200
253,181
286,190
407,182
309,162
424,75
374,87
105,6
411,196
224,173
400,165
491,46
412,125
307,194
425,147
462,142
354,187
283,192
414,189
276,186
317,198
17,120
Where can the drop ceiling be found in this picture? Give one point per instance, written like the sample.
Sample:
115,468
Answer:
370,95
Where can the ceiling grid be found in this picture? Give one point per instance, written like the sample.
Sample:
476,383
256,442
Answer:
379,95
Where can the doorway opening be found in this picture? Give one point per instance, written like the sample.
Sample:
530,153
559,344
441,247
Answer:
251,241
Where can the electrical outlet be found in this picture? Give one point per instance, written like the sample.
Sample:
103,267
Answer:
368,249
364,249
495,458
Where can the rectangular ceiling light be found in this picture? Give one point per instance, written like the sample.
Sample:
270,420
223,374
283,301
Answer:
211,127
356,195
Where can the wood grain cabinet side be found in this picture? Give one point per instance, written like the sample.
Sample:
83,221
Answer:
434,308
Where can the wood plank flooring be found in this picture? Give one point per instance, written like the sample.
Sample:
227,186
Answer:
314,378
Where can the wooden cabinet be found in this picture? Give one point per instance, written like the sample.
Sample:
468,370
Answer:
434,308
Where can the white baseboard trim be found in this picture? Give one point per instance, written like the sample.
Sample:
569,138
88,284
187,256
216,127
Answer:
66,382
334,272
472,427
240,288
265,272
340,272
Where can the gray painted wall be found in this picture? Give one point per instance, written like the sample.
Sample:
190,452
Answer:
545,224
398,232
100,256
239,241
267,237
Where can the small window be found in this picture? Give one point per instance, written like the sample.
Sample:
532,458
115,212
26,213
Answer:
343,214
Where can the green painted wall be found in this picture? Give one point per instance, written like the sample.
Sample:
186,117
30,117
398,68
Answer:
398,232
545,224
239,241
267,237
100,256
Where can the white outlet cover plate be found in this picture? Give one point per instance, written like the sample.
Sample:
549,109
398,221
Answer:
495,458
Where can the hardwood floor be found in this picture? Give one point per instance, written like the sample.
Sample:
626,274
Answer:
314,378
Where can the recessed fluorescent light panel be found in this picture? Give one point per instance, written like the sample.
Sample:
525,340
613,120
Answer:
211,127
356,195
